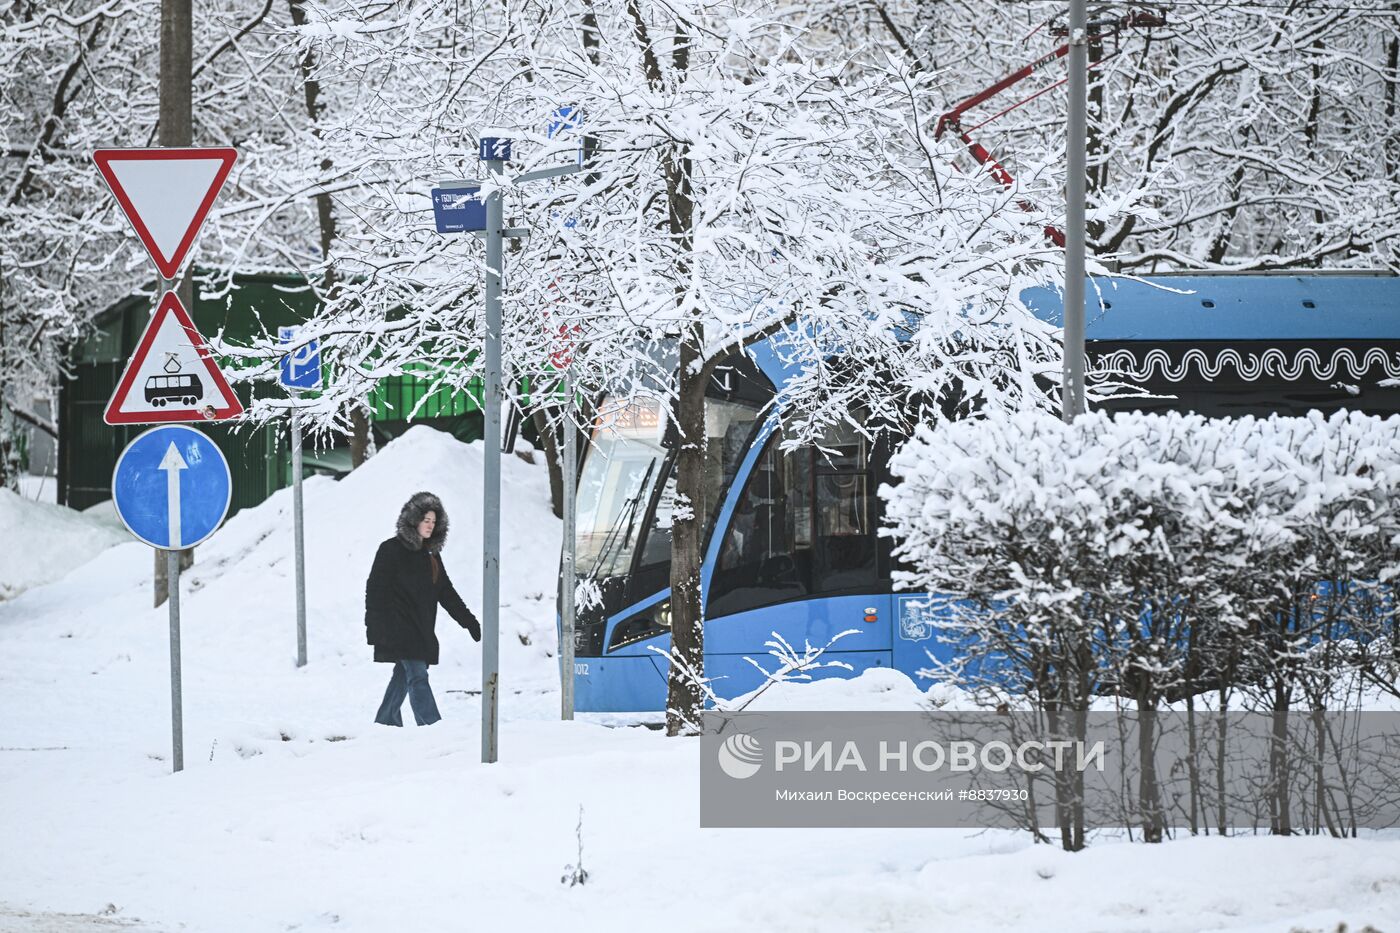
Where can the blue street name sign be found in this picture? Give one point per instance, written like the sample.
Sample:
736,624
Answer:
301,368
172,487
458,210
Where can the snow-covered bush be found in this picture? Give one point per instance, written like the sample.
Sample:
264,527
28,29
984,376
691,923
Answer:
1157,558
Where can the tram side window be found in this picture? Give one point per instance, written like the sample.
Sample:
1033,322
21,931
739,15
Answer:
846,546
804,525
766,553
728,426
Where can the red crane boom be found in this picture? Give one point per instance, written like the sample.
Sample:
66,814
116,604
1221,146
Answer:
952,120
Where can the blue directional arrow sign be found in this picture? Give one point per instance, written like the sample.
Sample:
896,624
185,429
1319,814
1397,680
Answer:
172,487
301,368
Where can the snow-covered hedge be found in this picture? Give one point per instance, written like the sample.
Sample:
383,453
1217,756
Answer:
1158,558
1170,546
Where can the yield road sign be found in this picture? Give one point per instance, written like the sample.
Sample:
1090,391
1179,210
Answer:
172,375
166,195
172,487
301,368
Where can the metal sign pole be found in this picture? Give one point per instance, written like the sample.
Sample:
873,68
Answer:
566,628
1072,389
297,531
452,214
491,505
177,715
171,488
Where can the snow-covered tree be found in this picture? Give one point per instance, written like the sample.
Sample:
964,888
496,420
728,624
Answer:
749,178
1233,136
82,75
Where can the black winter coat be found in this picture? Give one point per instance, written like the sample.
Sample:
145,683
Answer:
401,602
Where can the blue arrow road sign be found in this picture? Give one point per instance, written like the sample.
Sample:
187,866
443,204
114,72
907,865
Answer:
458,210
172,487
563,120
301,368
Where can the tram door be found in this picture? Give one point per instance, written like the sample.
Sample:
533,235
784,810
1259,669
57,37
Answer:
800,557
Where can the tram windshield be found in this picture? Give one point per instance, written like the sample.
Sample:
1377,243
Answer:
624,467
619,473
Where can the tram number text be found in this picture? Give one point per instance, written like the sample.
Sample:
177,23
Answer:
580,668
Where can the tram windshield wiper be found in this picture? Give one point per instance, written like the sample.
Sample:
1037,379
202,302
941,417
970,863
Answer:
615,536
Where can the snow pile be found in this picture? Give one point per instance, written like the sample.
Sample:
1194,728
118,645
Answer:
242,688
44,542
38,488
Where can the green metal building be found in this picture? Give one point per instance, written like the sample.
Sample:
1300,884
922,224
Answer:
259,459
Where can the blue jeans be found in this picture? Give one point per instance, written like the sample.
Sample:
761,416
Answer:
410,679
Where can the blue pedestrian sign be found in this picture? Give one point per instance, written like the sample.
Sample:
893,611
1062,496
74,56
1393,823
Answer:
564,120
172,487
301,368
458,210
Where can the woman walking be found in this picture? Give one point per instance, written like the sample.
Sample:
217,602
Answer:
406,585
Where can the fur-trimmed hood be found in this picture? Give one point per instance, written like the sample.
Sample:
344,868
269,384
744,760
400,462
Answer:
420,504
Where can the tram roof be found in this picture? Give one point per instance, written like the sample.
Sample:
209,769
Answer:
1236,306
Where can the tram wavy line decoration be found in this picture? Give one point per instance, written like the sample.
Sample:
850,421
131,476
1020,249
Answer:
1250,366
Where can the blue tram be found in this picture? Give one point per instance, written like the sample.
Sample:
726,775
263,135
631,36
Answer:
792,543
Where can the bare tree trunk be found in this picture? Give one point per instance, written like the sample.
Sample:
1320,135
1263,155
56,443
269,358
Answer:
9,461
550,441
1220,735
325,220
1096,158
683,690
1392,140
359,437
683,693
1149,793
1193,770
176,130
1313,124
1320,797
1280,817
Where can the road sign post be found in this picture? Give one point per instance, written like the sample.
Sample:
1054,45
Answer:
1072,388
300,370
171,488
298,535
177,704
495,152
166,195
566,570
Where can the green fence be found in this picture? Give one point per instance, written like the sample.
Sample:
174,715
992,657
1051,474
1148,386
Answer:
260,460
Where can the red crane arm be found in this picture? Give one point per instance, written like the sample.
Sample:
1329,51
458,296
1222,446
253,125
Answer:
953,118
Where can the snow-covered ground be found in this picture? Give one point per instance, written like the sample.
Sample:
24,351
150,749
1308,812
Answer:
295,812
44,542
39,488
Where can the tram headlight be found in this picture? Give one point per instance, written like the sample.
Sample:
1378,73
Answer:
650,622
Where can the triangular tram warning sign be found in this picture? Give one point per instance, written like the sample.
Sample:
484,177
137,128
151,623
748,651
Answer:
172,375
166,194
